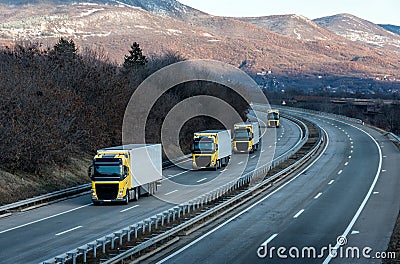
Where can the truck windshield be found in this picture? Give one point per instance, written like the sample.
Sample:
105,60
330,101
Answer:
273,116
203,146
107,171
242,134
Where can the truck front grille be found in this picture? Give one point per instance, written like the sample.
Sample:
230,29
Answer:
203,161
242,146
272,123
107,191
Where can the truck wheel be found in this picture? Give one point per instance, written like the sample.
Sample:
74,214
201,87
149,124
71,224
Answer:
126,200
137,193
96,203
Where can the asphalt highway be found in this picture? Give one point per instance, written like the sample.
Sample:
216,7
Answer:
42,233
348,197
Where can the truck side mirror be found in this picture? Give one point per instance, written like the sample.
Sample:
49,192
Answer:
216,146
126,171
90,171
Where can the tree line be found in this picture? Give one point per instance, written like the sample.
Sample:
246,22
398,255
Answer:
60,102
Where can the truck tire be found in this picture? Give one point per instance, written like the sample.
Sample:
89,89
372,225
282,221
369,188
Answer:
96,203
126,198
137,194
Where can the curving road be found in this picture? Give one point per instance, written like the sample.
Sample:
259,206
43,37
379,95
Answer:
350,191
37,235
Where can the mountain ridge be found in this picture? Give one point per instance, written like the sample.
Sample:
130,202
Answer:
197,35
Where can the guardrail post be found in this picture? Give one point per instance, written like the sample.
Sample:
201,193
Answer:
182,208
94,246
103,244
135,228
179,212
155,219
120,236
148,222
73,256
60,259
171,211
127,232
143,226
111,237
167,214
83,250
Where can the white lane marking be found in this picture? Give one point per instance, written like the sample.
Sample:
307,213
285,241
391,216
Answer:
248,208
329,183
268,240
270,146
298,213
355,232
240,163
350,157
168,193
262,151
127,209
383,170
385,156
174,175
224,170
351,142
351,151
352,146
366,198
69,230
347,163
375,193
340,172
202,180
318,195
279,139
45,218
252,157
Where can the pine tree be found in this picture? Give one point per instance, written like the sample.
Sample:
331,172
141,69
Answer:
65,49
135,57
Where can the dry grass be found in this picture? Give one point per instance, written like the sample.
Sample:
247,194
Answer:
22,185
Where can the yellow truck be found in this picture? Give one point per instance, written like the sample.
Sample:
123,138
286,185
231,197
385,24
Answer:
211,149
246,137
273,118
123,173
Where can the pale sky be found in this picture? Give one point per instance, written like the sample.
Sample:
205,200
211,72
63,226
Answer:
379,12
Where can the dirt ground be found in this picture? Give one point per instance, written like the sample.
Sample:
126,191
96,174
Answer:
21,185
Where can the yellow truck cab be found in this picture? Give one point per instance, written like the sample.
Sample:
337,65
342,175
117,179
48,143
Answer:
273,118
123,173
246,137
211,149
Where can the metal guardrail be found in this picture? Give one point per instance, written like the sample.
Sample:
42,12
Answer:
64,192
395,137
350,119
45,197
175,212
